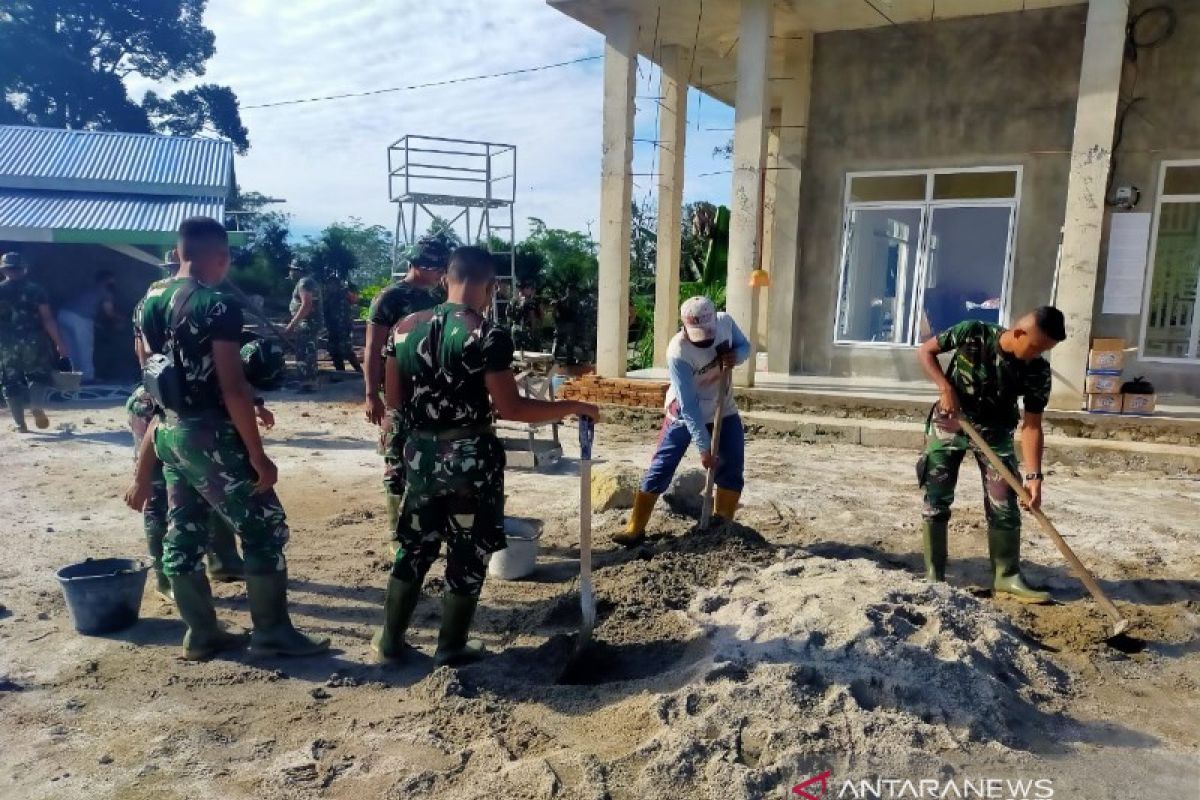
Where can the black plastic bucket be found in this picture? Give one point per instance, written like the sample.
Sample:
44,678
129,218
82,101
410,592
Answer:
104,594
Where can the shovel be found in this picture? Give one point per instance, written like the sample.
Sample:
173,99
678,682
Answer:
706,510
1120,624
587,598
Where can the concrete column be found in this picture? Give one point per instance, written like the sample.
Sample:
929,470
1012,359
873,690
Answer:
749,151
616,193
672,135
784,255
762,300
1091,154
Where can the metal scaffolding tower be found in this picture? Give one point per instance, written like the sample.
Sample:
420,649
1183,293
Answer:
439,182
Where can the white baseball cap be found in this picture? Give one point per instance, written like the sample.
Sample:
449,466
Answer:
699,317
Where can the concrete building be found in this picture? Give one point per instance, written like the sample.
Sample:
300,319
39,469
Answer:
899,166
74,203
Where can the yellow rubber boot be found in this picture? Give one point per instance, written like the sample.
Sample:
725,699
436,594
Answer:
725,503
635,531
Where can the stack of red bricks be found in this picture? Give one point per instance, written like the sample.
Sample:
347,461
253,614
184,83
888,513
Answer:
614,392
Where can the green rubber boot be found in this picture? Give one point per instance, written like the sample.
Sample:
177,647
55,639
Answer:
934,539
225,564
205,636
17,409
162,584
393,515
273,632
1004,547
454,648
398,606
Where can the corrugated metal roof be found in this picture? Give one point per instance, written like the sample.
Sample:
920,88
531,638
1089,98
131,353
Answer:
49,158
101,212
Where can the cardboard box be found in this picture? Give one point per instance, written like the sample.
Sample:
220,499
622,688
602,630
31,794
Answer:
1106,360
1104,403
1138,403
1103,383
1108,344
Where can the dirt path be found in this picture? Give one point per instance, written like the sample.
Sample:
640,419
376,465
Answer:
734,663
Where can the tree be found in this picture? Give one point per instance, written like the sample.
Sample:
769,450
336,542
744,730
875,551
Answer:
63,64
569,257
352,250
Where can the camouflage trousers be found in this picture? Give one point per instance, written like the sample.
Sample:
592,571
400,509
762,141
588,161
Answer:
340,348
305,342
25,367
454,494
154,516
943,457
391,445
207,468
526,338
569,345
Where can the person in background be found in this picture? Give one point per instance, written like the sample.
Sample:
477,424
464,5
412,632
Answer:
418,288
305,325
27,331
77,321
339,317
525,317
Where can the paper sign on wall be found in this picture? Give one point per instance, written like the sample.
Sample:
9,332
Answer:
1128,246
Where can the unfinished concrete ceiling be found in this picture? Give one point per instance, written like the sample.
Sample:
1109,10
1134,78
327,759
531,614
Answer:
710,27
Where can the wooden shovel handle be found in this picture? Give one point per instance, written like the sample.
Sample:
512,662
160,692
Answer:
1077,566
706,510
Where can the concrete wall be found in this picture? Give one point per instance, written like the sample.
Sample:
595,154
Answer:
1163,126
995,90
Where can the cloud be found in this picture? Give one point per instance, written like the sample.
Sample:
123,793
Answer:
329,159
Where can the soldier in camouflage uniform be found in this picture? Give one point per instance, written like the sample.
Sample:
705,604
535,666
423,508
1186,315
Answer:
305,325
990,369
27,332
525,317
212,454
419,288
447,367
339,314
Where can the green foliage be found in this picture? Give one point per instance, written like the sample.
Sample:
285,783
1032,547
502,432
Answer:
351,249
65,64
568,258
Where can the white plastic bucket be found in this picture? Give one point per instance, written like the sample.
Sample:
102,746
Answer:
520,557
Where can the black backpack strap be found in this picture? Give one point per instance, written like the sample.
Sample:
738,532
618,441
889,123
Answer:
181,303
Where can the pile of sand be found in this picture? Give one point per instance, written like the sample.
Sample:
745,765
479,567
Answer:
816,661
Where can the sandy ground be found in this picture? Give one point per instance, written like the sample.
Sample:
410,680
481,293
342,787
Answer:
734,663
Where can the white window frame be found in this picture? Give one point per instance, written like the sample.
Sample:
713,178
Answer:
927,206
1193,343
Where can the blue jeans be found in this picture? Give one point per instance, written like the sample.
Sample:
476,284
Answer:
673,442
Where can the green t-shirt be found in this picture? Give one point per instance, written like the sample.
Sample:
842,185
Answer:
211,317
444,354
989,381
20,315
399,300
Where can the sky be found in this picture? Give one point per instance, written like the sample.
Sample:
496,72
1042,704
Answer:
329,159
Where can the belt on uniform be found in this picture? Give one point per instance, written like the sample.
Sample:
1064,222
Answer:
450,434
208,415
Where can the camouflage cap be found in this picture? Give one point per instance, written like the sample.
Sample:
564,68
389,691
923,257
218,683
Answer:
430,252
263,363
12,261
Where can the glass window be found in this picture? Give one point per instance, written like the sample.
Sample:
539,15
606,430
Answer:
974,185
883,188
1171,310
879,274
1182,180
966,261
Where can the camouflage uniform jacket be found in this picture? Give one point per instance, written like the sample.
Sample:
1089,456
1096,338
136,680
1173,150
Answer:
212,316
20,317
988,380
312,323
443,355
399,300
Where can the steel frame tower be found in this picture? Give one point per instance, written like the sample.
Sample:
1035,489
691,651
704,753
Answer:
432,179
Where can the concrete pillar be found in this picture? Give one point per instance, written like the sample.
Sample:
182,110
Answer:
784,255
1091,154
749,151
672,135
762,298
616,193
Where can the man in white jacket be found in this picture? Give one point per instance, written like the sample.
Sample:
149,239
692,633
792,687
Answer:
698,357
